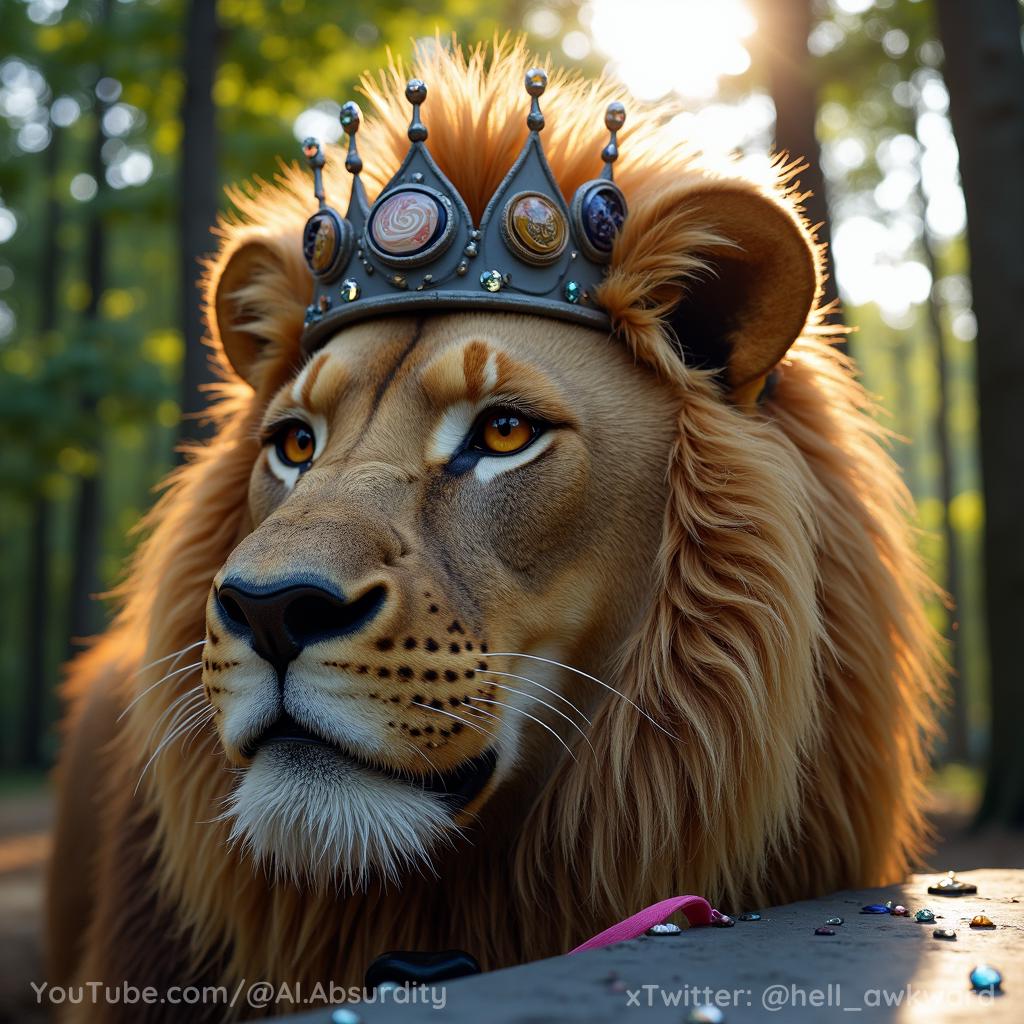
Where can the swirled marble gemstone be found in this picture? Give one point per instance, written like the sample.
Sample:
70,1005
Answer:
944,933
535,227
602,213
899,911
407,223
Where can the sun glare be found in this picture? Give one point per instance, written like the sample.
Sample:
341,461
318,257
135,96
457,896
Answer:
662,46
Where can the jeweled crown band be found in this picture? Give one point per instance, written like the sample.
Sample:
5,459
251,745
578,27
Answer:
416,247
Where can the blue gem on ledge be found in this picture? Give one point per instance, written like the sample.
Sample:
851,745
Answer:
573,292
986,979
350,290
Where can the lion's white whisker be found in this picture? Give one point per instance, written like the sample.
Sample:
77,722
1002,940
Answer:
441,711
554,693
532,718
585,675
135,700
530,696
167,657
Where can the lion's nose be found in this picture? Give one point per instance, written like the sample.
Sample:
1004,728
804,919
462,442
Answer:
281,620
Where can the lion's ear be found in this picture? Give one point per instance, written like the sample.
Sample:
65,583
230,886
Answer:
730,270
255,309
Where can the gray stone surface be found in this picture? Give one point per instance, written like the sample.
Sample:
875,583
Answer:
876,968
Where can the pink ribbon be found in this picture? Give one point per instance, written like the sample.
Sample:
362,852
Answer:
697,910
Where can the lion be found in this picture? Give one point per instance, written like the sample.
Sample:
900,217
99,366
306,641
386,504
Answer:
571,620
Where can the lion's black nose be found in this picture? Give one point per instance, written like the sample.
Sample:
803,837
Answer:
281,620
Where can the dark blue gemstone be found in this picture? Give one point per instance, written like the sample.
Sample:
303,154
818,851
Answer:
603,213
875,908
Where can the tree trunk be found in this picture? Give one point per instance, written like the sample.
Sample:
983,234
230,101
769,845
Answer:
781,43
985,74
957,740
199,180
86,519
36,678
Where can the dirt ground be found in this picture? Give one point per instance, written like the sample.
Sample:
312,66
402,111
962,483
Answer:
26,817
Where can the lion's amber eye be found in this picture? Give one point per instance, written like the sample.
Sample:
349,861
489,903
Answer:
505,432
296,444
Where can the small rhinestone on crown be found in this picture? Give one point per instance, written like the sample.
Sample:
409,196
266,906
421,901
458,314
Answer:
416,249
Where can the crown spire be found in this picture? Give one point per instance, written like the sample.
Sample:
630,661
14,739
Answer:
315,159
351,118
536,83
416,93
614,119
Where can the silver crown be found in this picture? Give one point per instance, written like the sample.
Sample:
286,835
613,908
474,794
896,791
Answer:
416,248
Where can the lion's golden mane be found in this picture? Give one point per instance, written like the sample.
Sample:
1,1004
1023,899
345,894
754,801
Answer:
787,646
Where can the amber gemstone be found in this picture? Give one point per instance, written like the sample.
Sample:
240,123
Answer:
981,921
535,227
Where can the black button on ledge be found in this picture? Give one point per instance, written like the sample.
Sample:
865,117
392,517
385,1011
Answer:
417,968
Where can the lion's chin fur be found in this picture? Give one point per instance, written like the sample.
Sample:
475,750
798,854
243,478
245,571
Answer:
305,814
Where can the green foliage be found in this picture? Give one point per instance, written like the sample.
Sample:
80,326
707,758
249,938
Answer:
90,385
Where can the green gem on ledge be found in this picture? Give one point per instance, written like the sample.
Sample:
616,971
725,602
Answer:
491,280
573,291
350,290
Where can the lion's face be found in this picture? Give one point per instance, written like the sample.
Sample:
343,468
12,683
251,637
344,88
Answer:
433,497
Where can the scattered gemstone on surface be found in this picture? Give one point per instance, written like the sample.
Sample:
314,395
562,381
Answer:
343,1016
324,303
981,921
705,1015
720,920
350,290
875,908
491,280
986,978
665,929
573,291
944,933
952,886
924,916
750,917
834,921
900,911
824,931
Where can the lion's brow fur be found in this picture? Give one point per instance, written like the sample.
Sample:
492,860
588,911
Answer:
787,649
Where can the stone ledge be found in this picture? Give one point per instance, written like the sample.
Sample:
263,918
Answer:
870,961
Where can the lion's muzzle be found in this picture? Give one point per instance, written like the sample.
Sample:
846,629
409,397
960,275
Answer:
281,619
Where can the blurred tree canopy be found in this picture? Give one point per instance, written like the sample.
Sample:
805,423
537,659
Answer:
94,275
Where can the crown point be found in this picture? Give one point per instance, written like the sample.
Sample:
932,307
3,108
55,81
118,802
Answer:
415,91
312,152
615,116
536,81
351,118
